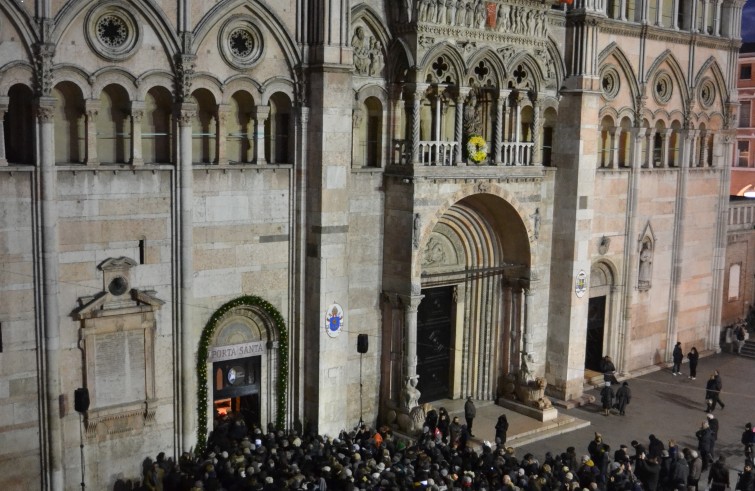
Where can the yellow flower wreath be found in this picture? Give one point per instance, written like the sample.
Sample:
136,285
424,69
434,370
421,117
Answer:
477,149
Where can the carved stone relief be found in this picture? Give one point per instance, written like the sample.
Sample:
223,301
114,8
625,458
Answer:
479,14
369,58
438,252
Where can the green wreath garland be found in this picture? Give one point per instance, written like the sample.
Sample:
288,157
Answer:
204,344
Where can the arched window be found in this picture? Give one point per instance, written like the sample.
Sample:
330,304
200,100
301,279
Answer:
674,145
69,123
549,122
114,126
373,132
19,126
660,130
625,142
240,128
204,128
605,145
278,127
156,126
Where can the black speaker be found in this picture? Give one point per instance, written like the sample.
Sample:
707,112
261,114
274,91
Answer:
81,400
362,343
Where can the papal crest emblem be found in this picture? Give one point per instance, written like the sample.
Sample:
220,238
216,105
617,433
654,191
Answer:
333,320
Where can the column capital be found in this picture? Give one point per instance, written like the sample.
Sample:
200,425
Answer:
262,111
186,113
411,302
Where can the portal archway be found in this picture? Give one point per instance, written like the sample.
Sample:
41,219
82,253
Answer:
242,364
471,322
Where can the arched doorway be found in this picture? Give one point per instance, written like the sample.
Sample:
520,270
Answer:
242,364
470,323
599,339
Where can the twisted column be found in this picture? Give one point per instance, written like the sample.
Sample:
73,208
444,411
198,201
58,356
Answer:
416,101
459,128
498,138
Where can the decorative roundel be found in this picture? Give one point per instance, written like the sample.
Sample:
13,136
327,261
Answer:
118,286
241,42
707,93
112,32
610,82
663,88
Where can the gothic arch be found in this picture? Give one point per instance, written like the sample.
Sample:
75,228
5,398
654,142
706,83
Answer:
618,54
456,63
24,24
366,14
489,56
399,60
670,60
148,10
711,64
271,21
526,59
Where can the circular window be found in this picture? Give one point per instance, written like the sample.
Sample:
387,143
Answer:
241,42
112,32
609,82
707,93
118,286
663,88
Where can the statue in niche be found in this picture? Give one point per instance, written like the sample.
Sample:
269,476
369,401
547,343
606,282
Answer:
479,14
450,11
472,120
503,17
357,116
417,227
460,13
535,224
431,11
646,264
470,15
422,10
411,393
361,47
377,61
440,15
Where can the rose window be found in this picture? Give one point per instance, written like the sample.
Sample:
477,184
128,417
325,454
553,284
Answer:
241,43
112,31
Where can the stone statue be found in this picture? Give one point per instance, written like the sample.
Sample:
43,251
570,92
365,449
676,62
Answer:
535,224
472,120
646,263
417,226
377,61
450,12
361,47
357,116
503,17
411,394
479,15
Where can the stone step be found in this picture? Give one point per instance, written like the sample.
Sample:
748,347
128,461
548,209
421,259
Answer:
563,424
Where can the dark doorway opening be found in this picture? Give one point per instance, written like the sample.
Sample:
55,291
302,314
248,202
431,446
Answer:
596,318
236,389
434,343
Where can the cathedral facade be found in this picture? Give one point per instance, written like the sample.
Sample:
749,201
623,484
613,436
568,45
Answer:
312,213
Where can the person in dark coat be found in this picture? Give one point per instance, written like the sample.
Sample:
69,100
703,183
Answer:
718,477
469,414
501,427
719,387
746,481
608,369
711,394
705,444
647,470
695,464
713,425
655,447
678,357
606,397
444,422
623,397
748,439
593,448
679,475
693,356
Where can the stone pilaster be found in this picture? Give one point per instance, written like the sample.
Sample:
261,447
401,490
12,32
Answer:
221,153
91,110
137,114
260,116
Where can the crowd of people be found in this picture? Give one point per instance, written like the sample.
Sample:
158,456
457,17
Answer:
441,458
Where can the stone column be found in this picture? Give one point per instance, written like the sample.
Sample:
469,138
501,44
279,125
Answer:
459,127
50,290
705,17
717,19
498,138
260,116
664,147
221,142
137,114
92,109
3,110
658,12
529,309
537,154
507,300
411,305
416,102
649,158
616,147
187,336
623,10
694,152
517,128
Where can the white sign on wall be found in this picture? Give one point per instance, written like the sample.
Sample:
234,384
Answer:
244,350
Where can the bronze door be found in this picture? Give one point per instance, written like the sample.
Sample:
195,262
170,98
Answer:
434,343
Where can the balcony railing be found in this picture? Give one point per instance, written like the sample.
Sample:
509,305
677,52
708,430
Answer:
741,215
442,153
517,153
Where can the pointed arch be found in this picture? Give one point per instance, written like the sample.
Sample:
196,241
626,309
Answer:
456,63
366,14
532,66
488,55
270,20
24,24
615,51
668,58
148,10
711,65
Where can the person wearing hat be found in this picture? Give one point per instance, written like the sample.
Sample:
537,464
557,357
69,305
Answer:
470,411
